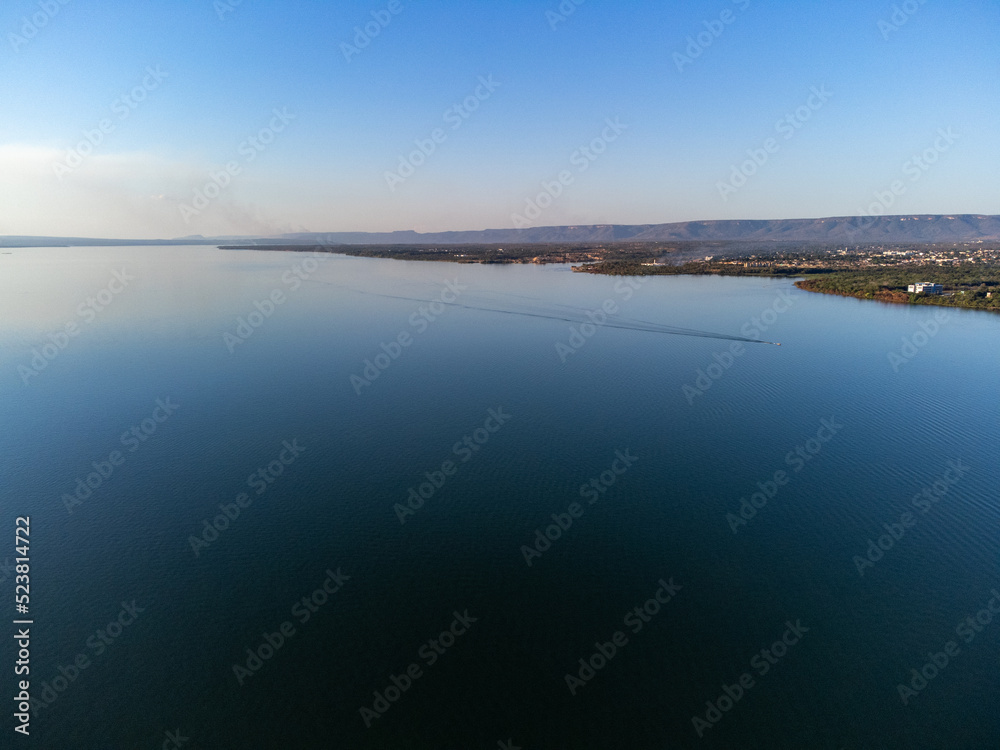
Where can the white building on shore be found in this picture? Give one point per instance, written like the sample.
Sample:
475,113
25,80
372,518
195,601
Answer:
925,287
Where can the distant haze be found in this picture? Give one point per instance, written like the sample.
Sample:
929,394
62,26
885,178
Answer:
830,231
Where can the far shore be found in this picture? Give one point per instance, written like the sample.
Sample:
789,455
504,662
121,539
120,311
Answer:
970,275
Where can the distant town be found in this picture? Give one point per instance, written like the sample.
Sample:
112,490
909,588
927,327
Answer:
955,275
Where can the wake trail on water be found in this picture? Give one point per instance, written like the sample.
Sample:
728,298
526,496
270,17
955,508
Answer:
567,314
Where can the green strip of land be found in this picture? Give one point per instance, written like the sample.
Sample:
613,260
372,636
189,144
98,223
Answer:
968,284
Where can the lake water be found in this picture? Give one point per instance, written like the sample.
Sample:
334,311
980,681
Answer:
501,420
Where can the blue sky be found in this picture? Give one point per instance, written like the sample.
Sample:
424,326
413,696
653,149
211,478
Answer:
684,124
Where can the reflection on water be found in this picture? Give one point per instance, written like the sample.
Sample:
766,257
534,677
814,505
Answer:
751,445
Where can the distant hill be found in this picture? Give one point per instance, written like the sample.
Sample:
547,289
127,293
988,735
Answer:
847,229
923,228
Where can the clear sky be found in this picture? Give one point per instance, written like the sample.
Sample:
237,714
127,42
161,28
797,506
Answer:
687,110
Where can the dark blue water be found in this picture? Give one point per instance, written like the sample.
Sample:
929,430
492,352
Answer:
856,618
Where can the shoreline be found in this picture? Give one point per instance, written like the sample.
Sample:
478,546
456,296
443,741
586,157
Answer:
890,297
975,286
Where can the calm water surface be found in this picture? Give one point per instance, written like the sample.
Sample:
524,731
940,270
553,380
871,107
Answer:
804,565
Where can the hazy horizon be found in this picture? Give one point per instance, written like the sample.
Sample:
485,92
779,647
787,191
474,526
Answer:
467,230
485,229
